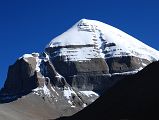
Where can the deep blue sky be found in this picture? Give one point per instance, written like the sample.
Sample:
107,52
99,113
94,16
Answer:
26,26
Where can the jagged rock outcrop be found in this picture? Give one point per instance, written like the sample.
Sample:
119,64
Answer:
35,77
21,77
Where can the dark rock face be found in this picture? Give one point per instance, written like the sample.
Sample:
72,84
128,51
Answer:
45,86
134,97
51,73
126,64
70,68
21,77
57,79
90,82
95,74
61,82
85,75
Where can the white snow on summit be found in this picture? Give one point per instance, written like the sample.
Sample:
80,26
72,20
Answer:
93,39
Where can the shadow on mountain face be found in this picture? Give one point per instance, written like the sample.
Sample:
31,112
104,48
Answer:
11,97
135,97
10,94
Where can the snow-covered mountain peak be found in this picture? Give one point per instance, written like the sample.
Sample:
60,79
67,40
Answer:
74,70
93,39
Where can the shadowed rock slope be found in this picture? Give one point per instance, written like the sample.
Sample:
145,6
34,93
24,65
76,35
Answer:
133,98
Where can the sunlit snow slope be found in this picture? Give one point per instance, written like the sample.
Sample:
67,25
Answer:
93,39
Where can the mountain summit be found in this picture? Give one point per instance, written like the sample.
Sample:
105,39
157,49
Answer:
101,40
73,71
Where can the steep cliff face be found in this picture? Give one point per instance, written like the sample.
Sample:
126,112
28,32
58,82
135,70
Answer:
34,77
22,76
74,70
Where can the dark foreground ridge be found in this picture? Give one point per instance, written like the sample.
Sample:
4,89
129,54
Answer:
133,98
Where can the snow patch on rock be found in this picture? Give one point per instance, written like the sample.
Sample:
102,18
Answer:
38,62
89,93
42,90
25,56
68,92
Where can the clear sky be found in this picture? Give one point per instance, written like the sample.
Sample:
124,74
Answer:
26,26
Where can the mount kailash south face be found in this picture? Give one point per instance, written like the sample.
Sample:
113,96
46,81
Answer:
73,71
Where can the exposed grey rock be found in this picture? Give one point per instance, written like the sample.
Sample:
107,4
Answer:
126,63
58,84
21,77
